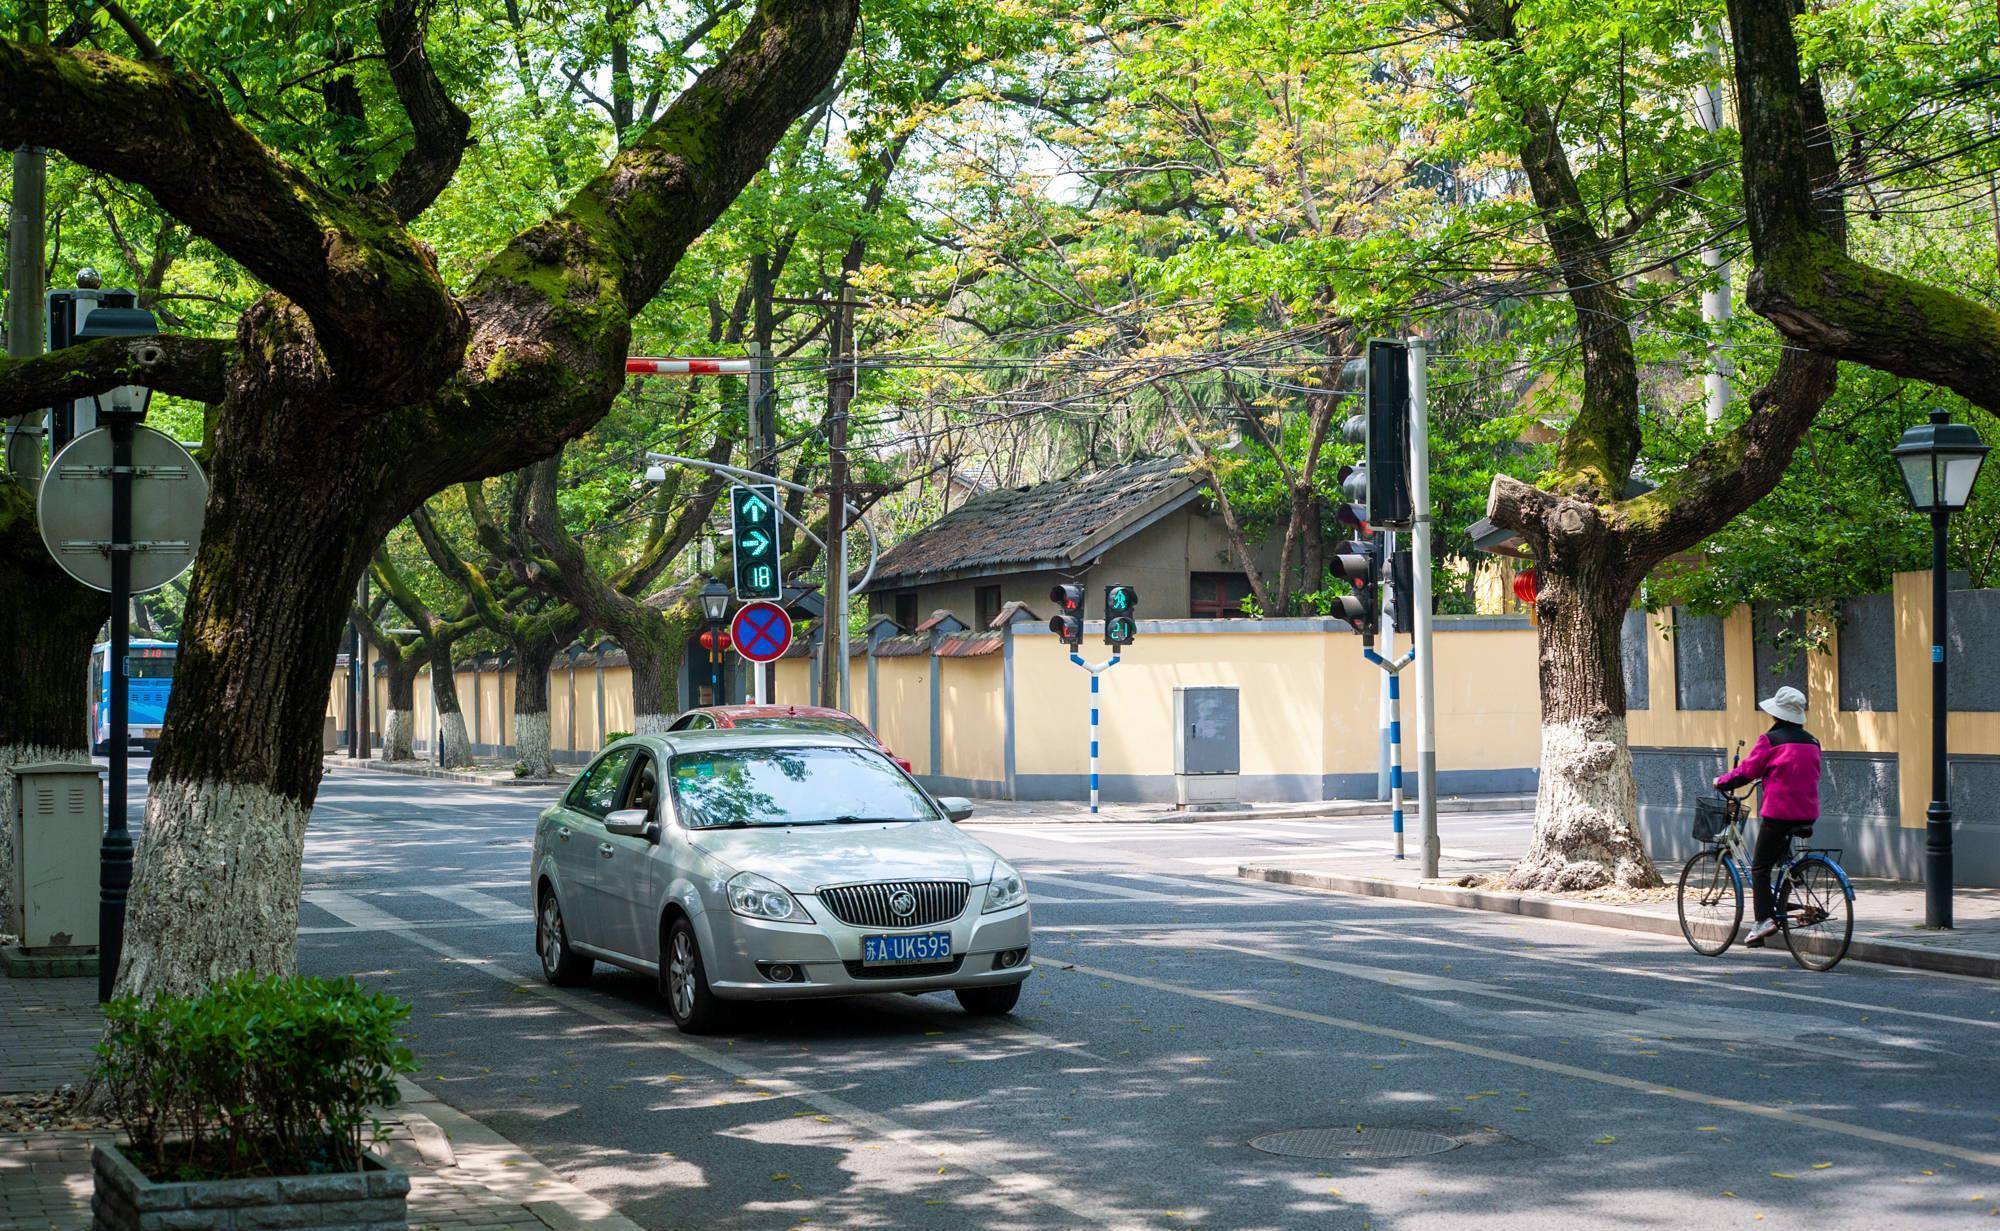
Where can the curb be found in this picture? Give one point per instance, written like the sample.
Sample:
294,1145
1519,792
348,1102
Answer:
1863,949
1292,812
415,770
505,1169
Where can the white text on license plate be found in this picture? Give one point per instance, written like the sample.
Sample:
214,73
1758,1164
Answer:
923,947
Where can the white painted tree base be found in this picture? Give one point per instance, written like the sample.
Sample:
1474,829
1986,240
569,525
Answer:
457,744
397,733
217,889
1586,813
651,724
10,756
531,743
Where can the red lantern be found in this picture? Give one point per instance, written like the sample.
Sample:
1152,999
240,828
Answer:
715,641
1524,586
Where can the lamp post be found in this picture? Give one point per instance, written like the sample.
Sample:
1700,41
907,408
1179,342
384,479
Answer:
715,605
1940,461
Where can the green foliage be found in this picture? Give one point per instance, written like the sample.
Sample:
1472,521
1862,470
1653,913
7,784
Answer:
259,1075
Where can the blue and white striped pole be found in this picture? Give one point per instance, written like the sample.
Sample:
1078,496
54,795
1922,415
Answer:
1095,670
1395,736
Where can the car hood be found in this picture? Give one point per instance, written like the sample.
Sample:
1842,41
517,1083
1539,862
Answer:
803,858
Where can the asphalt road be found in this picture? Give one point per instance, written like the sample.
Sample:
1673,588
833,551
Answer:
1581,1077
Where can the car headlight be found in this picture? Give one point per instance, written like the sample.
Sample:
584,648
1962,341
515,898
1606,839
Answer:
760,897
1006,889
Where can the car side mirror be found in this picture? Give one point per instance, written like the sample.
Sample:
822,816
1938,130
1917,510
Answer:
957,807
630,823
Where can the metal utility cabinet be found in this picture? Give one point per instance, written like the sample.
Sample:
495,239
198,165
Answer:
1207,746
58,823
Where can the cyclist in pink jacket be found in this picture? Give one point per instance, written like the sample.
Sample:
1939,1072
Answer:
1787,759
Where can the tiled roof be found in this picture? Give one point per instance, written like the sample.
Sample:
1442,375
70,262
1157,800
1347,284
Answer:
969,645
1057,524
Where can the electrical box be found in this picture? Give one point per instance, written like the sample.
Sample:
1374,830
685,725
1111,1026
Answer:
58,824
1207,746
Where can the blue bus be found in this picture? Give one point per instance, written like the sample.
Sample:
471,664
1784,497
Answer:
149,667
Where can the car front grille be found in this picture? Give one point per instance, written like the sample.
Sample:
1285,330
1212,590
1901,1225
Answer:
868,906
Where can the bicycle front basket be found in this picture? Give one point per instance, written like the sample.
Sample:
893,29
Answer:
1711,818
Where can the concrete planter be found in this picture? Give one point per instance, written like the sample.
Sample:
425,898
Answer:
125,1200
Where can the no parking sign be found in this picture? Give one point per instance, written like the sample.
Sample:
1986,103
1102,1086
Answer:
761,632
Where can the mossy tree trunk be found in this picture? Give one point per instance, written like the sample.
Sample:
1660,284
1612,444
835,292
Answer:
1592,543
360,351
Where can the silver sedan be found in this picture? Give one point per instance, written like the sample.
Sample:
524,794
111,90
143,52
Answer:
741,866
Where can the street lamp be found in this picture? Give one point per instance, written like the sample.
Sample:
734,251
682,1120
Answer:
1940,462
715,605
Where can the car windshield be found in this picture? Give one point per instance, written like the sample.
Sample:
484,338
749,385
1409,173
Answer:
806,722
792,786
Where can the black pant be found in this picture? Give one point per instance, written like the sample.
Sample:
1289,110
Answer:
1773,844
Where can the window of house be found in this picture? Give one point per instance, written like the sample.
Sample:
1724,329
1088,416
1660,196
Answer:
1217,596
905,614
985,607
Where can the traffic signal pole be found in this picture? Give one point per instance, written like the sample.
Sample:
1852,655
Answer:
1096,670
1393,669
1420,598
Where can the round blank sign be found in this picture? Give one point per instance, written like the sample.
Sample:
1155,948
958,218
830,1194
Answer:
169,493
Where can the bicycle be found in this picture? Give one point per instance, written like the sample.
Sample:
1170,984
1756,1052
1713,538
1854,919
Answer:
1814,898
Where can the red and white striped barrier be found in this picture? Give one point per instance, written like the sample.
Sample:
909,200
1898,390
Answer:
688,367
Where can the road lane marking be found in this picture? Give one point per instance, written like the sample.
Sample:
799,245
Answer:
482,904
1020,1183
1596,966
1984,1158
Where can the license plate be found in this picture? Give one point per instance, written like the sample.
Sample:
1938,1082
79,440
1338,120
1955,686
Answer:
918,949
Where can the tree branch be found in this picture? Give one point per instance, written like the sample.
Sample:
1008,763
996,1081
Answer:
441,128
165,363
1805,283
381,314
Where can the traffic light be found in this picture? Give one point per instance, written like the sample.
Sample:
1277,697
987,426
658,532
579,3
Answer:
753,533
1067,623
1389,435
1360,561
1121,615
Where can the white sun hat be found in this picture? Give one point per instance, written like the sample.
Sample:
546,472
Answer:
1788,704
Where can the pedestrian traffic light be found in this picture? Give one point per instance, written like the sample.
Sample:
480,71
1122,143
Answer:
1067,623
1121,615
1360,562
753,534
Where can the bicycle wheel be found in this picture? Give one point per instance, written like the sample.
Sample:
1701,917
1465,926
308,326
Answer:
1710,902
1819,919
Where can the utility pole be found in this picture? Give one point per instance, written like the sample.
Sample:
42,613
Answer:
763,423
1714,300
1420,599
839,393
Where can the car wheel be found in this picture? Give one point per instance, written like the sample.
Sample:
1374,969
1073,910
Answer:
684,982
561,965
989,1001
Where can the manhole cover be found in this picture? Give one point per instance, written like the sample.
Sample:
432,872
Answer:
1354,1141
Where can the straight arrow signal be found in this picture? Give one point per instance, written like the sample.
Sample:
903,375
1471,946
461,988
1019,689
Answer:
756,543
754,508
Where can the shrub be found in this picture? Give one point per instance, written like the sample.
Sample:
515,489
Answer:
612,737
259,1075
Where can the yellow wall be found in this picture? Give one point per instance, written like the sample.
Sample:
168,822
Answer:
904,709
972,735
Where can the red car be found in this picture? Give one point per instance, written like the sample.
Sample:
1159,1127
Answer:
784,718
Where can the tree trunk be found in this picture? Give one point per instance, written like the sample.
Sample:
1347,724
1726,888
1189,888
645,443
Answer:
1586,815
444,695
399,728
47,625
531,708
226,813
655,645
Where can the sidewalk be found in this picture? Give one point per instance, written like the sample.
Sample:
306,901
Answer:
1038,812
1887,914
463,1175
485,771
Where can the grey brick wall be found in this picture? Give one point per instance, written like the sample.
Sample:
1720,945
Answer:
1699,675
1867,667
1781,661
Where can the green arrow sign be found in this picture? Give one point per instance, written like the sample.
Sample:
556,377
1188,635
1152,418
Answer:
751,534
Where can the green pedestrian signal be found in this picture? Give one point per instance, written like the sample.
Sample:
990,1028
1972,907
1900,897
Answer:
1121,615
753,533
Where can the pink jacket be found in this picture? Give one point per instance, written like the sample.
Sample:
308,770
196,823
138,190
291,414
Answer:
1787,758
